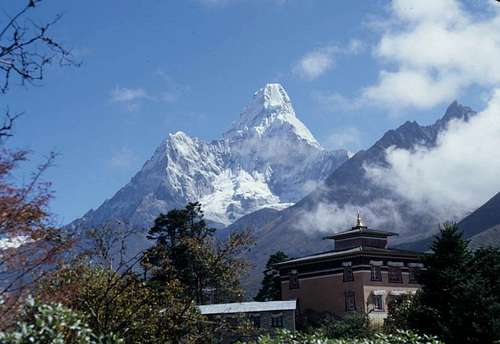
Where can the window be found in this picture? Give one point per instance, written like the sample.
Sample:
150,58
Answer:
395,275
376,273
277,320
414,274
348,275
350,301
294,280
378,304
255,318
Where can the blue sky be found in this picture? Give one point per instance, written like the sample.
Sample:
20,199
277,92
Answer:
150,68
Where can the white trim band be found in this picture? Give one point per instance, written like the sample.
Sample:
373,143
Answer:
398,264
398,292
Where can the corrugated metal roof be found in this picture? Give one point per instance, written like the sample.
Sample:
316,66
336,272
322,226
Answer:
247,307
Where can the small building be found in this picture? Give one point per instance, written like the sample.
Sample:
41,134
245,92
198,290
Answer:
264,315
360,274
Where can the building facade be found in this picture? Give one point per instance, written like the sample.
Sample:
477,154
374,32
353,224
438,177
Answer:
361,274
265,317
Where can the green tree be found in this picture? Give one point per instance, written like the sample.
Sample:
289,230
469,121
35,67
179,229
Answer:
460,300
447,271
187,251
124,304
271,285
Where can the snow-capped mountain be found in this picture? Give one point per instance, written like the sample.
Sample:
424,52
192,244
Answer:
267,159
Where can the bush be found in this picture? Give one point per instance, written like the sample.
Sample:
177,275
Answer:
400,337
352,325
52,323
400,308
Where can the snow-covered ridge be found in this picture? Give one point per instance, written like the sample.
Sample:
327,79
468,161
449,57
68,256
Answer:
267,159
269,109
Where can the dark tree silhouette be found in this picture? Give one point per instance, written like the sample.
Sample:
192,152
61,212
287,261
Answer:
271,285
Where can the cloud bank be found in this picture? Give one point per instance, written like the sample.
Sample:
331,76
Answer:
432,50
457,176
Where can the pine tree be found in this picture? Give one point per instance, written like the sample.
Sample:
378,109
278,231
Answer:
271,285
187,251
460,298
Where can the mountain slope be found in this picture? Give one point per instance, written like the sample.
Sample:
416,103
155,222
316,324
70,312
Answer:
267,159
298,229
488,237
481,227
483,218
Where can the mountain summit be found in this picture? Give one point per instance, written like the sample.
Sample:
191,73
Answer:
267,159
269,111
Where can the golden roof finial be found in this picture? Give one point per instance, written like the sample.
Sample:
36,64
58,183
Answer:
359,223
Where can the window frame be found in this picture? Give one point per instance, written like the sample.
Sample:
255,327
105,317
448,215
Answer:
376,273
256,320
414,275
348,274
293,280
395,271
378,306
350,301
277,320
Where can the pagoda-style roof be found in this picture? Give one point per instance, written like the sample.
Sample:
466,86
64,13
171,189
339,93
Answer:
342,254
357,232
360,230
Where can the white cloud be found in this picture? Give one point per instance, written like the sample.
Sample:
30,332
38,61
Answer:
347,138
127,95
433,50
455,177
319,61
170,91
314,64
331,218
334,101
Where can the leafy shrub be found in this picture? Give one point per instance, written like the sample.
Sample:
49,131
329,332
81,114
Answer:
52,323
352,325
400,337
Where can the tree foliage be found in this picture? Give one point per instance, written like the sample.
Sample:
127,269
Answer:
271,285
29,244
107,286
460,300
400,337
186,251
52,323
